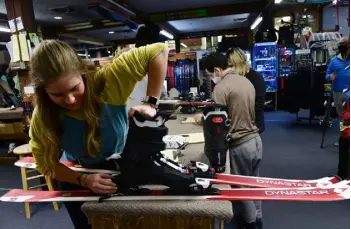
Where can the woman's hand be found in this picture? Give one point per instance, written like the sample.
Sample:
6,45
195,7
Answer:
144,109
198,118
332,76
100,183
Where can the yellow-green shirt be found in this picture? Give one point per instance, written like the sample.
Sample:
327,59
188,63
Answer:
120,79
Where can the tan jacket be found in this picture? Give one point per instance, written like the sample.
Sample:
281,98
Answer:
238,94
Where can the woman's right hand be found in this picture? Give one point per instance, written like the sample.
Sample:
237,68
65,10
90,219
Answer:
100,183
198,118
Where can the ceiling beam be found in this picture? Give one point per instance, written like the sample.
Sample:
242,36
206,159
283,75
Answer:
169,28
222,10
213,11
84,26
82,39
143,18
236,31
124,42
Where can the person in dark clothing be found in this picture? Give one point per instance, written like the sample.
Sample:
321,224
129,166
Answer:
237,60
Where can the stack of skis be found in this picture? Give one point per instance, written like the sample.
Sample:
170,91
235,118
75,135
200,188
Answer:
324,189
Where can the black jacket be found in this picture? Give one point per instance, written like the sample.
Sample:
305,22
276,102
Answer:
260,88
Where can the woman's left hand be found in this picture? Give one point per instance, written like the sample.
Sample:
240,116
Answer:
144,109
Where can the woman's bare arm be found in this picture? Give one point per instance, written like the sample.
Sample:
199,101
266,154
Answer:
65,174
157,71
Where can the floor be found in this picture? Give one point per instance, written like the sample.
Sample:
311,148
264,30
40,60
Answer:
291,150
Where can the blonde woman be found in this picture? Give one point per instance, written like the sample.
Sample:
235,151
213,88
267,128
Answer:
237,60
81,114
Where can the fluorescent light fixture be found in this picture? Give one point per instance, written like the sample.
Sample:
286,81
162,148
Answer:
184,45
58,18
256,22
219,38
90,42
79,27
166,34
277,1
286,18
81,54
111,32
4,29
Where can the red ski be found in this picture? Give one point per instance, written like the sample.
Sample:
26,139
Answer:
29,163
265,182
340,191
260,182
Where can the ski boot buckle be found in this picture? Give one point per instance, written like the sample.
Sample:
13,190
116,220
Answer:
200,169
203,187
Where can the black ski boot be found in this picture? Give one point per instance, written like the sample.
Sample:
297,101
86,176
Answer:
216,127
143,163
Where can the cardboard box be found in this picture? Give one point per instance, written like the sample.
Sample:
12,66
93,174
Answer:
11,128
17,127
6,128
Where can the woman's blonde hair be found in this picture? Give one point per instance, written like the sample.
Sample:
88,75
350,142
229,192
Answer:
51,60
236,58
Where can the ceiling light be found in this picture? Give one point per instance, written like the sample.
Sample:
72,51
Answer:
219,38
108,51
58,18
166,34
286,18
111,32
256,22
277,1
184,45
90,42
5,29
79,27
335,1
